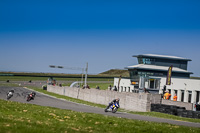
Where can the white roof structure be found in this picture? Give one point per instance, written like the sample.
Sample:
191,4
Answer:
154,67
162,56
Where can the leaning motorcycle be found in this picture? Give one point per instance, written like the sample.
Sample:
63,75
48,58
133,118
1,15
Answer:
112,108
30,97
9,95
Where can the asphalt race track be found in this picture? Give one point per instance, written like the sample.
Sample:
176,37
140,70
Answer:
45,100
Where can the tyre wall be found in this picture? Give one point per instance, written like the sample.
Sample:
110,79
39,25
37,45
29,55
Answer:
175,110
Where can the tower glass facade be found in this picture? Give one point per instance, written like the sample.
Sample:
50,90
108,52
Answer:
182,64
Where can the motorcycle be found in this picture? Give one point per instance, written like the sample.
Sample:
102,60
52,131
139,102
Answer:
9,95
30,97
112,108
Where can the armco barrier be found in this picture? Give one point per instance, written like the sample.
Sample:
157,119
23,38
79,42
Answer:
129,101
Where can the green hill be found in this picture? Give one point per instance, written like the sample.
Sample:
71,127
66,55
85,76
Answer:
116,72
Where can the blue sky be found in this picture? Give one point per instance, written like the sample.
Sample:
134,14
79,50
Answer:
36,34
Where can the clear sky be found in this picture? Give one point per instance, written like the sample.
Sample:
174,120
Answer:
105,33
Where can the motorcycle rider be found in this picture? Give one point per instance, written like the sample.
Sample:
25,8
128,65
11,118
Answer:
10,92
32,95
113,102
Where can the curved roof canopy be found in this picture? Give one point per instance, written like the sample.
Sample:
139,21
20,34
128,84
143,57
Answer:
158,68
162,57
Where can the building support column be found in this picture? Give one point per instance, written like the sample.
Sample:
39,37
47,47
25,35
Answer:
172,94
186,96
179,95
194,94
198,100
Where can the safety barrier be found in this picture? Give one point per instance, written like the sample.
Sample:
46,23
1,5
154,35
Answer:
175,110
130,101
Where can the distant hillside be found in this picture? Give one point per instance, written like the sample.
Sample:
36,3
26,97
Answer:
195,78
116,72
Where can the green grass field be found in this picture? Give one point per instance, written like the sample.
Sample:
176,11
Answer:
27,78
103,86
27,118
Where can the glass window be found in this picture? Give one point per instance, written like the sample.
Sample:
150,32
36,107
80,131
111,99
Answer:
140,61
148,61
150,74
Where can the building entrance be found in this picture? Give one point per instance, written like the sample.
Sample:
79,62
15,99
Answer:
150,83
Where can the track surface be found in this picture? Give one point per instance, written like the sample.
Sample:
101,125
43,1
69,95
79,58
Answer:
45,100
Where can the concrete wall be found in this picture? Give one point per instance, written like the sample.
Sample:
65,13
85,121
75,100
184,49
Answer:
130,101
155,98
188,106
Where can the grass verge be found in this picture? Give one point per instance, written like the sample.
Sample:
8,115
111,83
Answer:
23,118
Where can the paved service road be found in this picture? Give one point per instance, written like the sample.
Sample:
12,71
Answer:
45,100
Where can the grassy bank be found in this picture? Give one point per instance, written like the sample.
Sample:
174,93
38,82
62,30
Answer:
23,118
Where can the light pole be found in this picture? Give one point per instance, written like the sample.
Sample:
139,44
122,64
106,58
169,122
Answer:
75,68
86,71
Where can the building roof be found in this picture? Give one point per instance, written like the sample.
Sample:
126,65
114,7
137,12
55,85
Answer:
162,56
155,67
